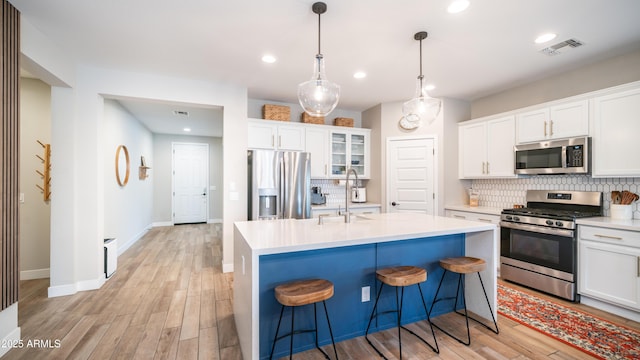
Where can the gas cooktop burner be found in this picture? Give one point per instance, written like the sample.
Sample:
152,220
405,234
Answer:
550,213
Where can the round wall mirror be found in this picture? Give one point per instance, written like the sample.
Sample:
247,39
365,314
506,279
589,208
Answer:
122,165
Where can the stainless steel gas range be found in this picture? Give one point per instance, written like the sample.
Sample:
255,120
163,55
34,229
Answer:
538,243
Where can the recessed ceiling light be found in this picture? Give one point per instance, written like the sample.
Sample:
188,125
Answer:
187,129
545,37
360,75
457,6
269,59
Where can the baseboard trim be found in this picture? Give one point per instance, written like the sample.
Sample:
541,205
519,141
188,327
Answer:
133,240
227,268
614,309
34,274
214,221
70,289
162,223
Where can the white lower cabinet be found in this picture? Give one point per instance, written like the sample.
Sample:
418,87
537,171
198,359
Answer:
332,210
609,265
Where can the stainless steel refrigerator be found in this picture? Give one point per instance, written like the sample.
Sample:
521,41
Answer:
279,184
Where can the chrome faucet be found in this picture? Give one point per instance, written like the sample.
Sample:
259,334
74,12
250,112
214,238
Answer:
347,215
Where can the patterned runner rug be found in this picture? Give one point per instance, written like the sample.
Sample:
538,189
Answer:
590,334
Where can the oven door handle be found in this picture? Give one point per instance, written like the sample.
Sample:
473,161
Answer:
537,229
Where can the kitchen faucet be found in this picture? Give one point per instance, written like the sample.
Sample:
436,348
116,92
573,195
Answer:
347,215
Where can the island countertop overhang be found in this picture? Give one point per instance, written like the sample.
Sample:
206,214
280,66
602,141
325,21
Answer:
283,236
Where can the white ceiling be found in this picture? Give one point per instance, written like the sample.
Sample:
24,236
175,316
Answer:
486,49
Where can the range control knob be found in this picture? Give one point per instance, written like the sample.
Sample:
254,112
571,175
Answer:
549,222
559,223
509,217
515,218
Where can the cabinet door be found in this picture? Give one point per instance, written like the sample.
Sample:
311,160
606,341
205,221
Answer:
532,125
359,154
610,273
473,150
262,135
317,143
501,137
616,129
338,154
568,120
290,138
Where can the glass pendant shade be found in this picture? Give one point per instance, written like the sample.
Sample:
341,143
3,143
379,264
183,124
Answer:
318,96
423,105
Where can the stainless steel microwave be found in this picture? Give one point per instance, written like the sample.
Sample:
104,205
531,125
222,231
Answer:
568,156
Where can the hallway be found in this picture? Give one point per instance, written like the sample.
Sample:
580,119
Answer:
168,300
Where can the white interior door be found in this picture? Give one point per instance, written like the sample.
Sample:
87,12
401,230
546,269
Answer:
410,175
190,183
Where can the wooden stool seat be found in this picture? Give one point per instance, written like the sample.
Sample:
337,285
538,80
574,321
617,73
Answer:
463,265
304,292
401,275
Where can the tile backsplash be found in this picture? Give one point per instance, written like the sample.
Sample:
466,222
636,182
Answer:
333,189
504,193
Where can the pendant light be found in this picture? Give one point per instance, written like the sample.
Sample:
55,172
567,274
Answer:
318,96
423,105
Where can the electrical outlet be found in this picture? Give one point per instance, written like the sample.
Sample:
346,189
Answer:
366,293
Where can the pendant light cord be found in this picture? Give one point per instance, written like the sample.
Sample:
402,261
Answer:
319,33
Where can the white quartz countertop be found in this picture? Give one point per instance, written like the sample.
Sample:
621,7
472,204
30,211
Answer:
607,222
475,209
289,235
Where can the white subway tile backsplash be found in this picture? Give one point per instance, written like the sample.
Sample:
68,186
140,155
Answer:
504,193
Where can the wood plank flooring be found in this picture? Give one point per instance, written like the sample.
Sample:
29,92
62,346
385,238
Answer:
170,300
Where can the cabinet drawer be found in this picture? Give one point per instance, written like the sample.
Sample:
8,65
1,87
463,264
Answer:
463,215
609,236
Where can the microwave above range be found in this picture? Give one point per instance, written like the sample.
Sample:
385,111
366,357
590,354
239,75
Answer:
568,156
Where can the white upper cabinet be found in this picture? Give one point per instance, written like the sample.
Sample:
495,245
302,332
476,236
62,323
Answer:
555,122
616,130
486,148
350,149
265,134
317,144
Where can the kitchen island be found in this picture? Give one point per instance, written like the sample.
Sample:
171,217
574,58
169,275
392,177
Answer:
268,253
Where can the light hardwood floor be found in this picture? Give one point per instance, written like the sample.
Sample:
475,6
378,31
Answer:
170,300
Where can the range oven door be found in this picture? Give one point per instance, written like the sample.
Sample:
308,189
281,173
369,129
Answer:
548,248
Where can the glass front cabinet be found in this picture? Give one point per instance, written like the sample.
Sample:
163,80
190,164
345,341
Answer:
350,149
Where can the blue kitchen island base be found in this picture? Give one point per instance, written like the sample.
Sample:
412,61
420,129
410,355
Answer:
350,265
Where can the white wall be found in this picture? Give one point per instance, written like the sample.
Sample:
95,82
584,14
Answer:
127,209
383,120
161,172
35,212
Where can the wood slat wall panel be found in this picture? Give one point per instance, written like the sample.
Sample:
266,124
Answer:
9,153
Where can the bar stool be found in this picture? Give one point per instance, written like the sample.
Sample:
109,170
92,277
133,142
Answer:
462,266
299,293
400,277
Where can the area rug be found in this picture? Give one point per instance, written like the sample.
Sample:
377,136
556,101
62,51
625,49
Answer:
592,335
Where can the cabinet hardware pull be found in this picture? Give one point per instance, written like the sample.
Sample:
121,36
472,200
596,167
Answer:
638,267
483,168
545,129
488,168
279,141
485,220
550,127
608,237
325,169
273,140
459,216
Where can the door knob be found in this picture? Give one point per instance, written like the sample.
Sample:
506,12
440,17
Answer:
393,203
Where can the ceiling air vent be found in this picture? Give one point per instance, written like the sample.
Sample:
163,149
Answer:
567,44
180,113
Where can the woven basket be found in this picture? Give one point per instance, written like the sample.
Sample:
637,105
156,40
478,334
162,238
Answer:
342,121
276,112
308,119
